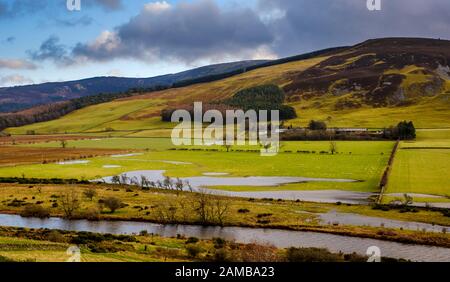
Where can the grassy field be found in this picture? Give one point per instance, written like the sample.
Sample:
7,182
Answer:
422,166
363,161
421,171
14,156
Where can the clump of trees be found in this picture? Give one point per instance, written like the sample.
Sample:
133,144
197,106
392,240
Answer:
265,97
317,125
405,130
210,209
202,208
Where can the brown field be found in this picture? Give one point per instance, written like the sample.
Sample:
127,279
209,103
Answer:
12,156
32,139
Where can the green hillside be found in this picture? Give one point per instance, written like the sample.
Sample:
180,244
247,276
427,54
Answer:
367,85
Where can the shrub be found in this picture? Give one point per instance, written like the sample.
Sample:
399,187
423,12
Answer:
243,211
311,255
35,211
219,243
192,240
193,250
113,203
5,259
446,213
257,253
55,236
91,214
221,255
90,193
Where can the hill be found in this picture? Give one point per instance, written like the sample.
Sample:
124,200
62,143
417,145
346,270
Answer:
373,84
22,97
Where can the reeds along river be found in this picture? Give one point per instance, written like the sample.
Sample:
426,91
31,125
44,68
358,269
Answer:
278,238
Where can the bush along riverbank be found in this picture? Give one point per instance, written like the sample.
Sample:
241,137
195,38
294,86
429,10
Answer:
37,245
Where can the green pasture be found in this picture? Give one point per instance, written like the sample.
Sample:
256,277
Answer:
423,171
363,161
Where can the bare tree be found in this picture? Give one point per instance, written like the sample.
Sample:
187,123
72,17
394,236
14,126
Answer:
70,202
202,206
168,183
333,147
210,209
115,179
228,147
408,200
124,179
167,212
221,207
145,183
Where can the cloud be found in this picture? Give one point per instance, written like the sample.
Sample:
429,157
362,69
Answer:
82,21
20,8
115,72
9,9
187,32
108,5
304,25
51,49
15,79
16,64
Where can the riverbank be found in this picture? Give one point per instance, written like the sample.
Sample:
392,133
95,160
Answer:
170,207
39,245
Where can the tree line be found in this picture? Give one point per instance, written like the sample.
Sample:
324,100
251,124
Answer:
54,111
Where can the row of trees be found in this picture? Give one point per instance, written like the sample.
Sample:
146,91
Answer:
209,209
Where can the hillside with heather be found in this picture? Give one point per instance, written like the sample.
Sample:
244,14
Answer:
370,84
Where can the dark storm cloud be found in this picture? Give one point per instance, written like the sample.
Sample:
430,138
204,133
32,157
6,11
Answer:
309,25
187,32
51,49
197,30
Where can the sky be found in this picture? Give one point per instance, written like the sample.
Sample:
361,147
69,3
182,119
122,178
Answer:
43,41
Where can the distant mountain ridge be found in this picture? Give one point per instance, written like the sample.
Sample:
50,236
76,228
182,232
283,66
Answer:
23,97
371,84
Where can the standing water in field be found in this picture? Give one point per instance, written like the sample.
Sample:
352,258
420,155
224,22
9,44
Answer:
203,182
